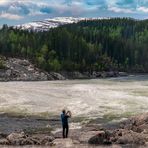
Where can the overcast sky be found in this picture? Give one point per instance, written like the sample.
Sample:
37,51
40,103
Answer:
22,11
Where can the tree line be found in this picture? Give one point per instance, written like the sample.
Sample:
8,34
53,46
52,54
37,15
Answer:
90,45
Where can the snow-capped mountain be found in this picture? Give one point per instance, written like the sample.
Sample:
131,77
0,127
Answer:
51,23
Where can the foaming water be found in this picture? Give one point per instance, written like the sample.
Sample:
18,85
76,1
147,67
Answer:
116,97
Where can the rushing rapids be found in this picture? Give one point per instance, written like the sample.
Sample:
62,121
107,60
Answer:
103,98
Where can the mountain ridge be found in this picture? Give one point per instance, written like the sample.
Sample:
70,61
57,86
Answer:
45,25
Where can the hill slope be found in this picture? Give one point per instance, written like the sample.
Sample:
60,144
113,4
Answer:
47,24
87,46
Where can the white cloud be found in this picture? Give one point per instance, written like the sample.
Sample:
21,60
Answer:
32,9
3,2
120,10
10,16
143,9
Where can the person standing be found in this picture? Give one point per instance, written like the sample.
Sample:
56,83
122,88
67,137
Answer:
64,118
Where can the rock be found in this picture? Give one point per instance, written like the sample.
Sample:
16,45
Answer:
86,136
47,140
57,76
100,138
74,75
4,141
27,141
131,138
2,73
16,138
13,136
63,143
122,74
8,72
24,62
33,141
103,75
2,135
133,131
111,74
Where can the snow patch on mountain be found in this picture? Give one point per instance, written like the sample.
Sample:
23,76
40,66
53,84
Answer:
46,24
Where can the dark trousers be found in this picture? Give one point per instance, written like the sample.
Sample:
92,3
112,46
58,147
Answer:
65,131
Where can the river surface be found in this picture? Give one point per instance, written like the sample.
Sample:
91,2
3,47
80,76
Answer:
87,99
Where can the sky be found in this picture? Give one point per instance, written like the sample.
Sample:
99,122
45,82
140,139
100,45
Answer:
14,12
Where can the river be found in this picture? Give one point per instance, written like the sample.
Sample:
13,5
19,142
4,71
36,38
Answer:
110,98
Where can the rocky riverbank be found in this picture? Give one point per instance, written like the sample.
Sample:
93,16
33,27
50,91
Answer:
23,70
130,133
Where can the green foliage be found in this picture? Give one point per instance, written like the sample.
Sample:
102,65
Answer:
100,45
2,64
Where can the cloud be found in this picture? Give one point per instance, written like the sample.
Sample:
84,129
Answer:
143,9
10,16
121,10
40,9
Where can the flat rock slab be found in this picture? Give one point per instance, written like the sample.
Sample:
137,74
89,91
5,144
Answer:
63,143
85,136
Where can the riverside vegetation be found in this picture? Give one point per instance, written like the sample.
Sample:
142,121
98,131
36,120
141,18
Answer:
87,46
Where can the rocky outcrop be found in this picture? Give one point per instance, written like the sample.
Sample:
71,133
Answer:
17,139
101,137
134,131
23,70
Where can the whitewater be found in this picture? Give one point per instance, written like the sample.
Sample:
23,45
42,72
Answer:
89,99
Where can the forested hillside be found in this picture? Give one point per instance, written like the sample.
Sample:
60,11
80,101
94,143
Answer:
97,45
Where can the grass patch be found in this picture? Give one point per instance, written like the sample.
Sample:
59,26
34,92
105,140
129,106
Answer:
111,116
40,130
2,63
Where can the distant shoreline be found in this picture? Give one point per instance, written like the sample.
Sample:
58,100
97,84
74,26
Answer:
23,70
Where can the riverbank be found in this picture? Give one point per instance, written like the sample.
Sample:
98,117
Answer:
23,70
128,133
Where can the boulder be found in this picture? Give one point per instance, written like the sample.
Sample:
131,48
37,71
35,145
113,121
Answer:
63,143
101,138
2,135
4,141
57,76
130,137
86,136
122,74
47,140
13,136
16,138
23,62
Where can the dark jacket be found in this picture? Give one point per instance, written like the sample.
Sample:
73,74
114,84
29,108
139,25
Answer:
64,119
